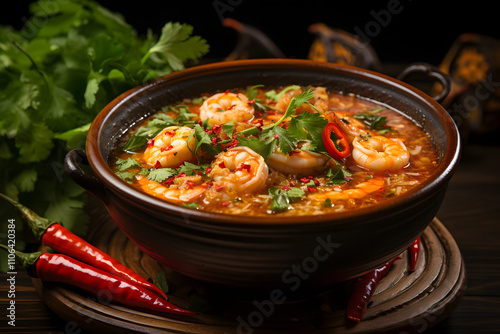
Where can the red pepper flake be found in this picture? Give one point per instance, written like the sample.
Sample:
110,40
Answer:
151,142
189,184
316,182
270,112
181,174
210,183
232,144
230,107
197,172
225,203
158,164
214,140
292,184
285,188
216,128
220,186
304,179
244,166
311,177
252,101
168,181
276,136
227,91
222,165
312,189
209,169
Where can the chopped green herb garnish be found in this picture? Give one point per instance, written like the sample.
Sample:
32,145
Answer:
281,198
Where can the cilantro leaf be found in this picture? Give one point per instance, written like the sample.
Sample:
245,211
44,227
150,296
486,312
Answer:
272,95
204,142
295,102
337,176
56,79
373,121
265,147
281,198
308,127
228,128
176,45
259,105
161,174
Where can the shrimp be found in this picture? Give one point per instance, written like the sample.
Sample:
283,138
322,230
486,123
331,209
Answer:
239,170
170,148
373,152
361,190
225,107
379,153
297,162
182,192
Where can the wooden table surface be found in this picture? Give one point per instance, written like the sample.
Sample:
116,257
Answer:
471,212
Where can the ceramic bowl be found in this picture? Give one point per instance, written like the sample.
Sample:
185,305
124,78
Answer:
247,252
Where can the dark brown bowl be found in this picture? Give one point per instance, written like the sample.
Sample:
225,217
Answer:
266,252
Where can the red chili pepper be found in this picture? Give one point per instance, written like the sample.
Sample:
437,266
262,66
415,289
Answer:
64,241
414,251
338,146
64,269
363,290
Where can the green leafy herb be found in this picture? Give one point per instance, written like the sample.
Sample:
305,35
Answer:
228,129
54,80
304,127
272,95
373,121
337,176
204,142
281,198
259,105
161,174
139,140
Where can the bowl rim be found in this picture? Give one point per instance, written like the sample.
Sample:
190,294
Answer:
411,198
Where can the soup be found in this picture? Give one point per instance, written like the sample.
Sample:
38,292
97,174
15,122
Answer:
265,151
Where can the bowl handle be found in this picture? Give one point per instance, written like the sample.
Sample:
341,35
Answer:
429,71
84,179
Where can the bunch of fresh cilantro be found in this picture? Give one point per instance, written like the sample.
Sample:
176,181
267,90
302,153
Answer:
56,74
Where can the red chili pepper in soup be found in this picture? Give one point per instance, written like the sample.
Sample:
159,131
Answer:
335,141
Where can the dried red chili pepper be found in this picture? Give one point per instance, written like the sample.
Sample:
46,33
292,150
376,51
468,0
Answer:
414,251
64,269
363,290
335,141
64,241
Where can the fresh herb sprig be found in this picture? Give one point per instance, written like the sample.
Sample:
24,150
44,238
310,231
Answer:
54,80
374,121
305,127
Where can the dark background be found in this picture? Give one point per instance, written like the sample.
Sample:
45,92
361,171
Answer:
420,31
